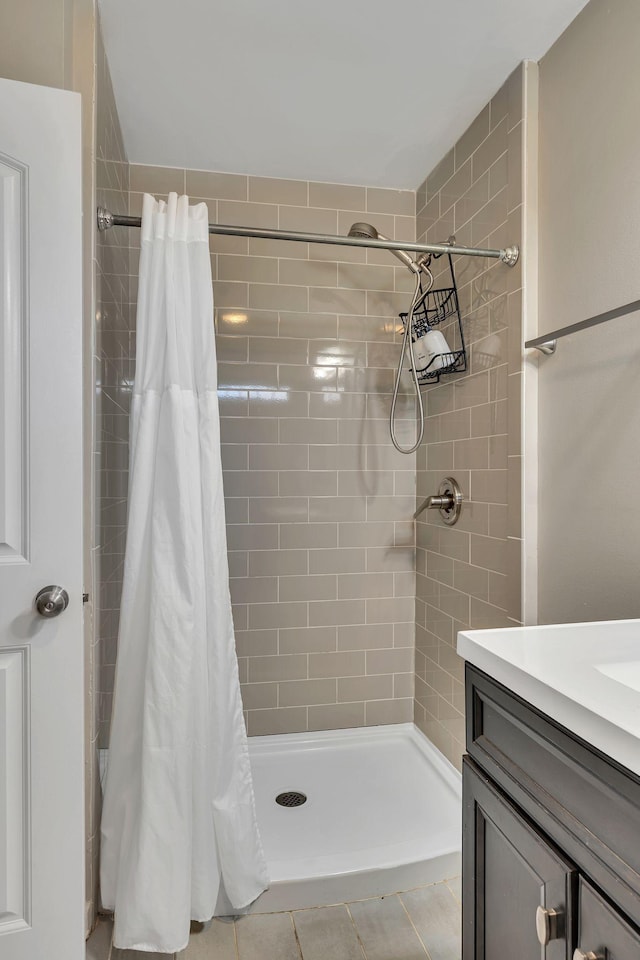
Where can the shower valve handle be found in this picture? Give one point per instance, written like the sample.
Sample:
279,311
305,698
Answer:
438,503
448,501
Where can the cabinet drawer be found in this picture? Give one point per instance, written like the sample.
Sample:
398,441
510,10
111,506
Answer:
601,929
588,804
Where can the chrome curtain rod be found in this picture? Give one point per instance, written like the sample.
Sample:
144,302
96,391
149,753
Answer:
548,342
508,255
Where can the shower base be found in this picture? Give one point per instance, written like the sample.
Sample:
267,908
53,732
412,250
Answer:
382,814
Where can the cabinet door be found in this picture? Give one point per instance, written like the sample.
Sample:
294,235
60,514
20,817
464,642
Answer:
601,929
509,871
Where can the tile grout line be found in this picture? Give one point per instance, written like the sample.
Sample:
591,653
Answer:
413,925
235,939
295,933
448,885
355,928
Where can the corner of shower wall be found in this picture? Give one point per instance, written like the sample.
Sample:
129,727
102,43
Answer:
530,280
114,353
469,576
110,380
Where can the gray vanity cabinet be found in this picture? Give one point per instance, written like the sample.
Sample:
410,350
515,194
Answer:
551,843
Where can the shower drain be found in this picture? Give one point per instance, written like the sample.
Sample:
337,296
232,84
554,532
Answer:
292,798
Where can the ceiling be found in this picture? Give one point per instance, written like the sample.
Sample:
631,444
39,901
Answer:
372,92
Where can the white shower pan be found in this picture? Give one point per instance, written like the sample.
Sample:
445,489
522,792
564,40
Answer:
382,814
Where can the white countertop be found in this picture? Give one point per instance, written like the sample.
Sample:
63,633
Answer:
585,676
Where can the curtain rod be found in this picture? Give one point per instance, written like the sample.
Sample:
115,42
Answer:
508,255
548,342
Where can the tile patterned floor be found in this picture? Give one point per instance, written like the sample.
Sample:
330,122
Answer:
422,924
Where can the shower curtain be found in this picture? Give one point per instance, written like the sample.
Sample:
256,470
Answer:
178,823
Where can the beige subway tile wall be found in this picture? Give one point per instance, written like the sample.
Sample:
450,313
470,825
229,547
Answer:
318,502
468,576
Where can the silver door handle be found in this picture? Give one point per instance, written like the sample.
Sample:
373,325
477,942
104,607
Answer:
588,955
51,601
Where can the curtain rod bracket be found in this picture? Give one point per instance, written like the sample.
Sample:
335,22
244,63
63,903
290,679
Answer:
510,256
105,219
548,348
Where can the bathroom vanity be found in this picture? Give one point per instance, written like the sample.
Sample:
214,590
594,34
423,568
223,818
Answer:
551,793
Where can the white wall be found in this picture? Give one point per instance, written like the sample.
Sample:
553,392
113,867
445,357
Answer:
589,392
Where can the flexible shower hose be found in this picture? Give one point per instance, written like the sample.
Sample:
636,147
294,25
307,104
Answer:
418,295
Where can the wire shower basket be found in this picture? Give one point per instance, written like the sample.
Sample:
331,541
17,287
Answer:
438,307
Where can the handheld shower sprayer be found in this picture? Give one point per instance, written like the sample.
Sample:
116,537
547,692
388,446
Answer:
366,231
417,267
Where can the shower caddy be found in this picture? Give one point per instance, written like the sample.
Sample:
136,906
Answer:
434,308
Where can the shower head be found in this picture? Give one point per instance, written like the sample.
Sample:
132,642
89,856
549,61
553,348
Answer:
368,232
363,230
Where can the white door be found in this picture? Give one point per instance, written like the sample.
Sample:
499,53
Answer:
41,659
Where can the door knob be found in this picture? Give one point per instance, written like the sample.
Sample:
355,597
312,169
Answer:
588,955
51,601
549,926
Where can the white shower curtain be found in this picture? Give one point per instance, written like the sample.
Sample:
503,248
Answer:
178,822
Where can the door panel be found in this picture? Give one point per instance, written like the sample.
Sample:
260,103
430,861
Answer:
509,871
41,660
14,280
602,930
14,849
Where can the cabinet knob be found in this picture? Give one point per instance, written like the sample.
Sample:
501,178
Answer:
588,955
550,926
